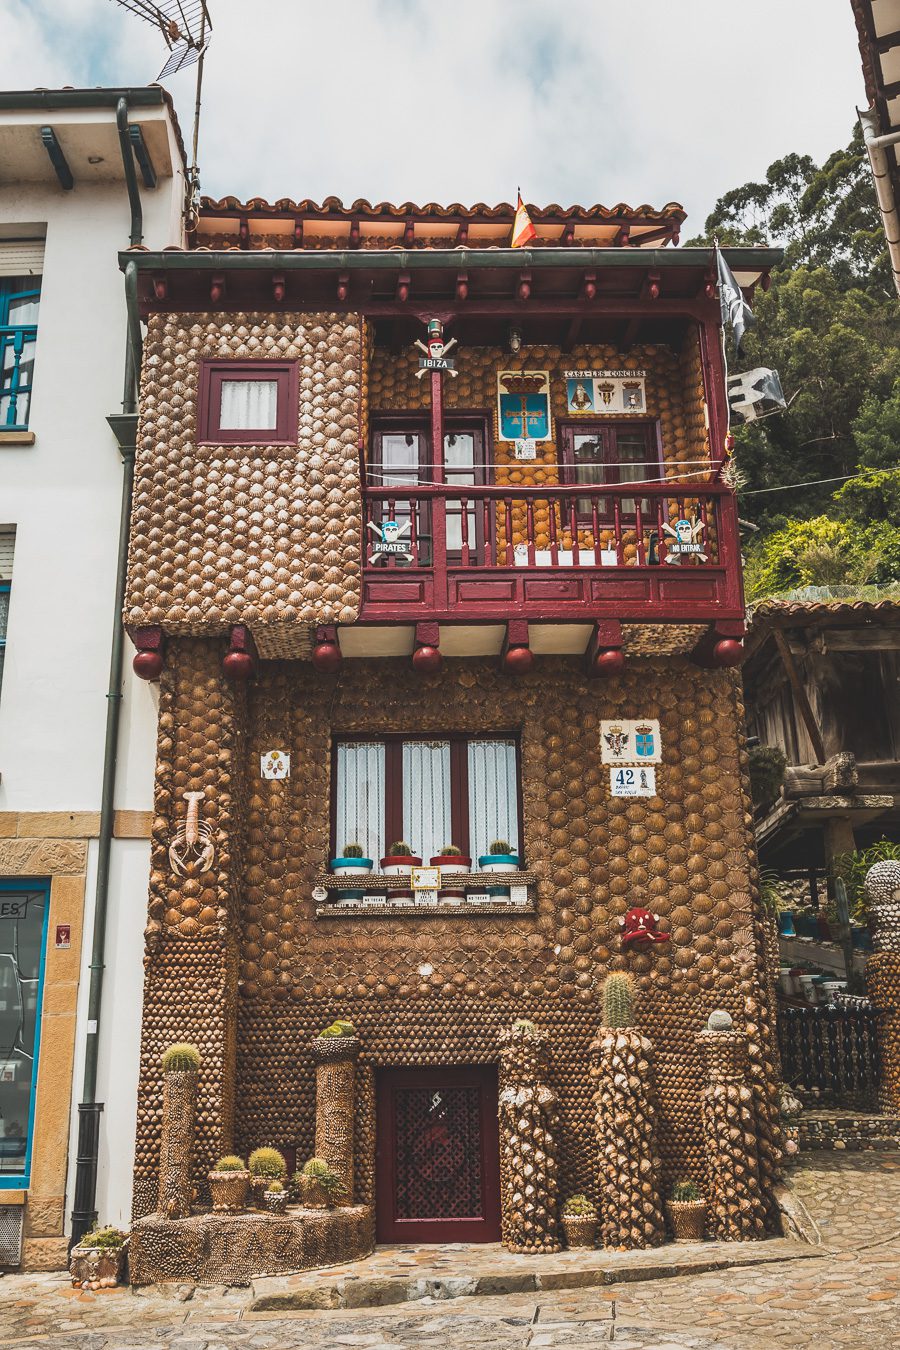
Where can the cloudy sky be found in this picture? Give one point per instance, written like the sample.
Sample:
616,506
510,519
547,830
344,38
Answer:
578,100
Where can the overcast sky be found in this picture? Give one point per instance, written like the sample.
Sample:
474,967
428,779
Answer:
580,101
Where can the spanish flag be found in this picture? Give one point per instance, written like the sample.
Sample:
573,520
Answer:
523,231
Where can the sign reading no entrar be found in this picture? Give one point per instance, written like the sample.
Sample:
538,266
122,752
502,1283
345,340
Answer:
632,782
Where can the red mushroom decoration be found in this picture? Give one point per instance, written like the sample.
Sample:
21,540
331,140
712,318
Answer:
639,925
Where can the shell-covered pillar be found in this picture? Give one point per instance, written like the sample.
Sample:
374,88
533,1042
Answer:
335,1053
882,888
737,1205
625,1123
179,1106
529,1126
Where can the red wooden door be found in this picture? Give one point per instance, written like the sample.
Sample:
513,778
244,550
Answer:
438,1156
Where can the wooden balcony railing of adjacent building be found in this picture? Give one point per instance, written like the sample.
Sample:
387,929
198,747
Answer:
552,553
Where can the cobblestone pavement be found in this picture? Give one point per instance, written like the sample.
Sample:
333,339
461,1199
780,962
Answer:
848,1295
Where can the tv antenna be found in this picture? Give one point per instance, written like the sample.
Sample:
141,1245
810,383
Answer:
186,28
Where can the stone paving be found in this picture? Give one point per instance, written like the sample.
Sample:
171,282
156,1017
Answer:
846,1293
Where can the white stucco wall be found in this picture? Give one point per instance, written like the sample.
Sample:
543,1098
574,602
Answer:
63,495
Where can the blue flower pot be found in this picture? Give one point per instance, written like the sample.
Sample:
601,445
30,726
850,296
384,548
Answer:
805,925
786,924
499,862
339,864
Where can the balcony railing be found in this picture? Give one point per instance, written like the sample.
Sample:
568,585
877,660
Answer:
558,552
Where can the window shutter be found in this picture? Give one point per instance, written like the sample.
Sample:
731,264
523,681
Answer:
21,257
7,549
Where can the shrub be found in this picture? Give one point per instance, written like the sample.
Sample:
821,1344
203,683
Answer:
108,1238
267,1162
318,1169
683,1192
449,851
501,846
352,851
852,869
180,1057
618,1001
767,766
230,1163
579,1206
337,1028
399,849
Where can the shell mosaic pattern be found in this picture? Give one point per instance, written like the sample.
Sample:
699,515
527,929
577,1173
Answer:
687,851
262,535
737,1201
882,888
628,1160
529,1133
335,1062
179,1106
883,985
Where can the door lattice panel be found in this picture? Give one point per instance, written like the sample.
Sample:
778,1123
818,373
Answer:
438,1157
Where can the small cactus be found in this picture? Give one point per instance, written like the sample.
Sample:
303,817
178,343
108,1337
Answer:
267,1162
399,849
618,1001
318,1170
524,1027
337,1028
316,1167
179,1058
502,846
579,1206
275,1188
449,851
685,1192
230,1163
352,851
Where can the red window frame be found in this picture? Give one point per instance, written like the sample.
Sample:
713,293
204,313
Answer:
459,781
212,376
606,433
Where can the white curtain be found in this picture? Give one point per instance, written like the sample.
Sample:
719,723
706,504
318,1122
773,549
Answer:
493,795
249,405
360,797
426,796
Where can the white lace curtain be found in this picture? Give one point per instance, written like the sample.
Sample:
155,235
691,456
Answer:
249,405
493,797
427,823
360,797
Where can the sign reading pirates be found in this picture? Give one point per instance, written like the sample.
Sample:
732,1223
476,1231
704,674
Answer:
389,539
686,540
435,357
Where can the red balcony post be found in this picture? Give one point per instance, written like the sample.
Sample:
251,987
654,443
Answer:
439,502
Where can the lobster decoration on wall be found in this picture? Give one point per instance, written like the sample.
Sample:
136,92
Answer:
193,841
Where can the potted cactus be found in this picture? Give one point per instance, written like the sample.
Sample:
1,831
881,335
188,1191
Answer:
500,857
399,860
97,1261
452,861
275,1197
686,1209
228,1184
318,1185
579,1221
265,1165
351,864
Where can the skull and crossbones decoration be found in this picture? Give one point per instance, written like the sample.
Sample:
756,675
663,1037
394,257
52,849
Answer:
193,841
389,539
686,538
435,352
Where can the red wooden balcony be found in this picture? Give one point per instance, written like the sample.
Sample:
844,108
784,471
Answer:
465,554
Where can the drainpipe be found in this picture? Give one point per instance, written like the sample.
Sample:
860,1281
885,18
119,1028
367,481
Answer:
890,216
134,195
124,427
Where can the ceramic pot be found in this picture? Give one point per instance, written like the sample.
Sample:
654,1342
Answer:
228,1190
580,1229
688,1219
498,862
399,865
96,1267
786,924
452,864
362,866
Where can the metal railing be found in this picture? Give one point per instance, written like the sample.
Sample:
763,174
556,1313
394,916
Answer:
832,1050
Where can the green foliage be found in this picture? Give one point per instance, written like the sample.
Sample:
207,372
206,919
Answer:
337,1028
449,851
275,1187
853,867
399,849
318,1169
315,1167
578,1207
767,766
684,1192
772,893
180,1057
618,1000
230,1163
267,1162
502,846
352,851
108,1239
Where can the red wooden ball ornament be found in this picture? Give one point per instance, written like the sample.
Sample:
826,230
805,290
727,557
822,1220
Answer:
610,661
326,657
728,652
427,659
518,660
237,665
147,665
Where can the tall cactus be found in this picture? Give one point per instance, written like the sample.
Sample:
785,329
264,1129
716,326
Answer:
618,1001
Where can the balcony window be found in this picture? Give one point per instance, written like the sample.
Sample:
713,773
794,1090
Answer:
23,924
19,303
248,403
598,453
456,789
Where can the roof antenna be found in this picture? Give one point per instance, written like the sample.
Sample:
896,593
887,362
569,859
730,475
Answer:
187,29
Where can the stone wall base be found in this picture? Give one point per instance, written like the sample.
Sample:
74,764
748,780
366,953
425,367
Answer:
51,1253
231,1249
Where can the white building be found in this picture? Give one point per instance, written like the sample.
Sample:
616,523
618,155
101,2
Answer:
66,210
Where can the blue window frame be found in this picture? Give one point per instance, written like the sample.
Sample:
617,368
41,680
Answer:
19,303
4,620
24,910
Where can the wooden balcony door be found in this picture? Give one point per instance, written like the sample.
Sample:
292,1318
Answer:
438,1155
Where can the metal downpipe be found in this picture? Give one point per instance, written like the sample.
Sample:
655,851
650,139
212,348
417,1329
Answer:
134,192
887,205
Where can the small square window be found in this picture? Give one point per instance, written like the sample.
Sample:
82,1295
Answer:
248,403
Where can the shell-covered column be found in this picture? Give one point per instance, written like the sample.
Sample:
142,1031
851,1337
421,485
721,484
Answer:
882,888
625,1122
529,1126
737,1208
179,1105
335,1052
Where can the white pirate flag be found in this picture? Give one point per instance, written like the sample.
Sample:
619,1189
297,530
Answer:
735,310
754,393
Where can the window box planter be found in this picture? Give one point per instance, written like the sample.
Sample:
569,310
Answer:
452,864
351,868
228,1191
96,1267
688,1219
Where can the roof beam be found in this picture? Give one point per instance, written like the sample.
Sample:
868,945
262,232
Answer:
887,43
57,158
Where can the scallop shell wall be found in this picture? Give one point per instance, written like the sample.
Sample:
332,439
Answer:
267,536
